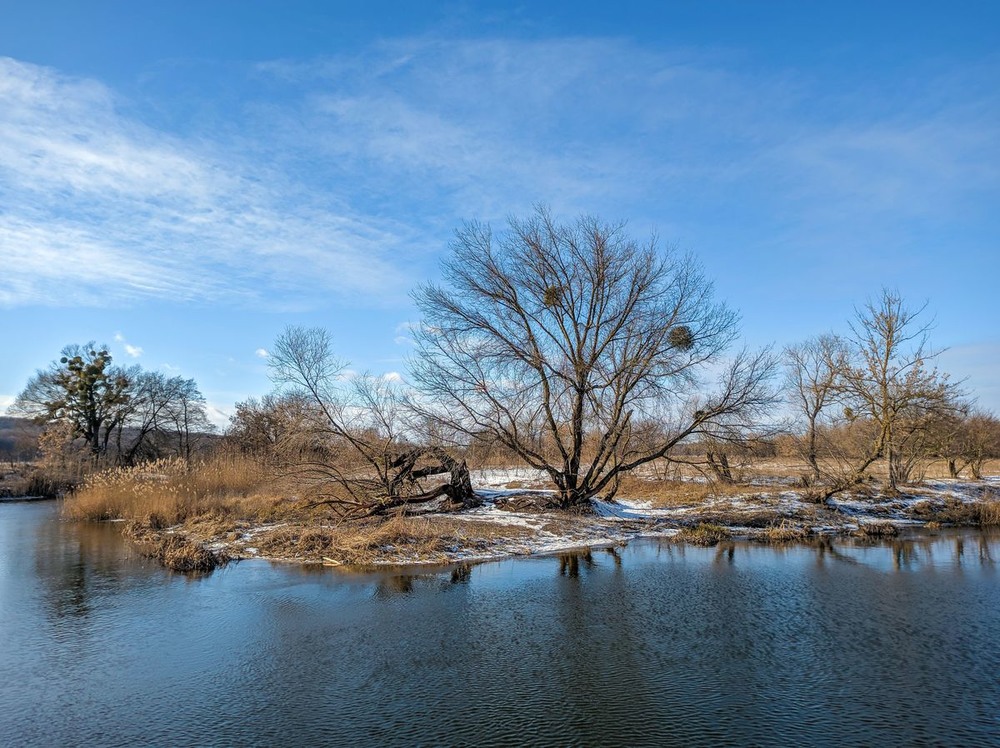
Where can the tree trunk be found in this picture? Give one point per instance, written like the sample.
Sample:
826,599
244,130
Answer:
976,468
461,486
811,456
719,463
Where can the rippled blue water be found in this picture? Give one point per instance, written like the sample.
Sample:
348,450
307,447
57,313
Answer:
842,644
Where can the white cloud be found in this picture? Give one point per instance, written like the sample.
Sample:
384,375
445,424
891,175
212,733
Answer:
261,353
371,159
99,208
133,351
392,376
218,414
5,402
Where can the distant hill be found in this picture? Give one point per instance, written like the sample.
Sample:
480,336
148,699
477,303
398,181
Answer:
18,438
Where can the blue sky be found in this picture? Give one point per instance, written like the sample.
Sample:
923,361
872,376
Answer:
182,180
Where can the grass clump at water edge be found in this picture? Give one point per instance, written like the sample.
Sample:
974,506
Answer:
398,539
174,551
703,534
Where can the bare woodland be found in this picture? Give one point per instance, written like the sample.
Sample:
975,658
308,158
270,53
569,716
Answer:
573,349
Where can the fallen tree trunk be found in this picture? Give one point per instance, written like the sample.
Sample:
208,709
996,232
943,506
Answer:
375,502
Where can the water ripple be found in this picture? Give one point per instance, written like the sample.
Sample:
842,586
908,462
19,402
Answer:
839,645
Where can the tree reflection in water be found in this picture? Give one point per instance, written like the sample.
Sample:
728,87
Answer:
900,554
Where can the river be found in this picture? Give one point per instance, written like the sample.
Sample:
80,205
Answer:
655,644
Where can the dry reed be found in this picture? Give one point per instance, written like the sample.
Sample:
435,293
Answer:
167,492
663,494
703,534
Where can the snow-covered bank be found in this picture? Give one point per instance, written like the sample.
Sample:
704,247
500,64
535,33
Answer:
775,514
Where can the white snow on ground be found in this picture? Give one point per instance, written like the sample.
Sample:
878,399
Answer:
253,532
501,477
617,522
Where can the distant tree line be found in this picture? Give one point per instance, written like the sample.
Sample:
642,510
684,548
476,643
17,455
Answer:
94,411
874,397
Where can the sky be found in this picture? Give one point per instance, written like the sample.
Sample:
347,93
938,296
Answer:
183,180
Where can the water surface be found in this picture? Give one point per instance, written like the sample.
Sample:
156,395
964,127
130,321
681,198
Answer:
842,644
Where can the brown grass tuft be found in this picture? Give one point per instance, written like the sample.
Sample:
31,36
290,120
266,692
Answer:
876,530
786,532
174,551
989,513
703,534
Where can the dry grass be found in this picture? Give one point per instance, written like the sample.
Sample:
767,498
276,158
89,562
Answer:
174,551
229,498
663,494
399,539
785,532
703,534
209,498
168,492
876,530
954,511
989,513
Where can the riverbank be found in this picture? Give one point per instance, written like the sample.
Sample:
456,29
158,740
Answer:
686,511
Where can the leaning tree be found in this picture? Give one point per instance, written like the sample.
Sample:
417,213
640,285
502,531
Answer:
562,342
349,441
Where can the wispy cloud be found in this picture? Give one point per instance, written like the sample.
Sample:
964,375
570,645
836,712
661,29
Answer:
261,353
658,136
350,180
99,208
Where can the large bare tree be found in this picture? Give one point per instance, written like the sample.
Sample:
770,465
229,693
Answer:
556,341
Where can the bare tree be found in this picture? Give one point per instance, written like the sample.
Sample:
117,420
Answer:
889,382
968,440
556,340
261,427
350,445
812,380
162,416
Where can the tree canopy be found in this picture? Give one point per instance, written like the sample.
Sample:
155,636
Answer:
122,414
563,341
